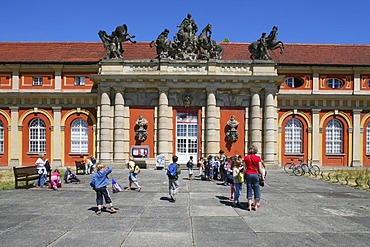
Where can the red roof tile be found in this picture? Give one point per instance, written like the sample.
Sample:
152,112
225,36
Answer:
93,52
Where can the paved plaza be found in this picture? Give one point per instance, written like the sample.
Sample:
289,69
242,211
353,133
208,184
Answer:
295,211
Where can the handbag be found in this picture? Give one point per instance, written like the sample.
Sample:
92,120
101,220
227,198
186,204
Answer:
260,177
240,177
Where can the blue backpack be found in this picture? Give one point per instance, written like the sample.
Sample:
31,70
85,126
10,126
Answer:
171,170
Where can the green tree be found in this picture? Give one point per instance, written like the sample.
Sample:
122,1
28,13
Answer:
226,40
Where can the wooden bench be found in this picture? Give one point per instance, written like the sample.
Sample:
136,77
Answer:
25,173
80,166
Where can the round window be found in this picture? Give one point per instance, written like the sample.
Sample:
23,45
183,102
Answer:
294,82
334,83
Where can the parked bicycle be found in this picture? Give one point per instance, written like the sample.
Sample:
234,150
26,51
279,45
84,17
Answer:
291,167
311,169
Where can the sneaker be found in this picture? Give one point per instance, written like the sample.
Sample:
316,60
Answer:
139,189
113,210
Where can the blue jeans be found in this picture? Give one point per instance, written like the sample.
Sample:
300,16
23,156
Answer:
41,181
253,186
238,190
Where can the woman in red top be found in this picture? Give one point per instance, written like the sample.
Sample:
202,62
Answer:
252,168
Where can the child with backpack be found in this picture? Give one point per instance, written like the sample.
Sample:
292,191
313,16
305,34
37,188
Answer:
173,172
134,170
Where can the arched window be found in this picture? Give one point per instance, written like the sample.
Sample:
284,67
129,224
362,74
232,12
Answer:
37,137
293,136
334,137
368,138
79,136
1,137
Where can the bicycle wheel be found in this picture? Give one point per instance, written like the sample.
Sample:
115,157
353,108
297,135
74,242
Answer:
305,168
288,168
298,171
315,170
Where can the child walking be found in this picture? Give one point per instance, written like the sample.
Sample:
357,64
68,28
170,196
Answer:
134,170
99,183
173,171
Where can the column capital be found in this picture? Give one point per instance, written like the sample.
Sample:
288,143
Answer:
356,111
255,90
14,108
56,108
163,89
119,89
211,90
315,111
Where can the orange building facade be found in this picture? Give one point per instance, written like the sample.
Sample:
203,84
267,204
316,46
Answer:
305,103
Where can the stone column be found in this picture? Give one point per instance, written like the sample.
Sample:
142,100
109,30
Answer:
57,151
212,128
356,154
316,148
106,147
163,128
246,130
269,127
14,140
256,121
119,140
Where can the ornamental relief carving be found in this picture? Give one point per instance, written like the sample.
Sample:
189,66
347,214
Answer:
134,98
187,98
232,99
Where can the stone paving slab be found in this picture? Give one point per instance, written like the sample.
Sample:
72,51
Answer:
296,211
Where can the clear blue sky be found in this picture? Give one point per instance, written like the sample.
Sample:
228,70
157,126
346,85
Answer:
299,21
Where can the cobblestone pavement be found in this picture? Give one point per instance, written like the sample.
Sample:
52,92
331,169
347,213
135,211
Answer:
295,211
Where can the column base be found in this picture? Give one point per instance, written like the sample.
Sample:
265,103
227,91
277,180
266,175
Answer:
356,163
14,162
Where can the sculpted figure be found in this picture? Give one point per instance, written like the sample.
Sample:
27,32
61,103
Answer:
113,43
232,133
163,45
259,49
141,132
209,49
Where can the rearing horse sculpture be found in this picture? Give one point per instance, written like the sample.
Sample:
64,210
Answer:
269,43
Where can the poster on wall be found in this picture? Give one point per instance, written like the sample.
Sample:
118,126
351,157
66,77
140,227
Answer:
161,161
140,151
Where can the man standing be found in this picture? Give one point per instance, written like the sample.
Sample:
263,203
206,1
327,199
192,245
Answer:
173,170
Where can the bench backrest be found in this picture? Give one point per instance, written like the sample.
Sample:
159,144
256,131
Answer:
24,170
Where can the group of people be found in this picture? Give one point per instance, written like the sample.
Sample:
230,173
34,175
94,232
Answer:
234,171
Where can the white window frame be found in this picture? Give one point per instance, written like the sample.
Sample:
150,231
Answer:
80,80
293,136
37,136
1,137
79,136
335,83
334,137
291,82
37,81
368,139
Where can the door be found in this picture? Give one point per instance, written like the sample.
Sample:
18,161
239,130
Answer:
186,136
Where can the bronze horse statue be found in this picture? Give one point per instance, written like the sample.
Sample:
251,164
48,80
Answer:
270,43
